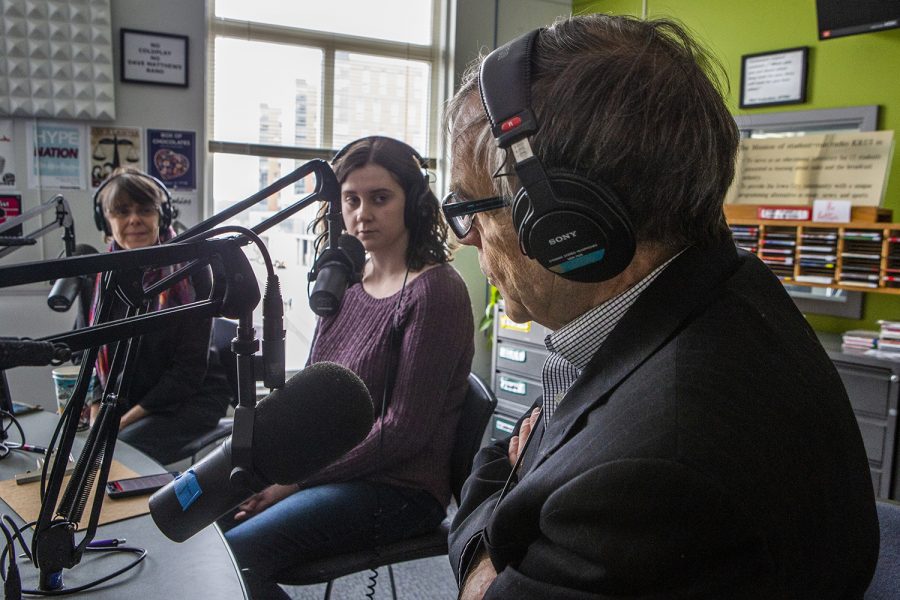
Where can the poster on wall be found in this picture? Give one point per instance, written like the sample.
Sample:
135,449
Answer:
113,147
10,207
172,157
185,202
55,153
7,155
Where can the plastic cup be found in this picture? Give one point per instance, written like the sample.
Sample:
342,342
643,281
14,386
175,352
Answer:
64,380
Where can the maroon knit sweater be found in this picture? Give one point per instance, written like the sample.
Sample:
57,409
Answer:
435,356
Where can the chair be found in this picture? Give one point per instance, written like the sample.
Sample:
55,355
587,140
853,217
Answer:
223,331
477,409
885,584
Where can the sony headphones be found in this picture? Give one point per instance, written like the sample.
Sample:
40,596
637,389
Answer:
574,226
410,217
167,214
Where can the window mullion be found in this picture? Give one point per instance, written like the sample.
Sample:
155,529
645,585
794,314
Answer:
328,97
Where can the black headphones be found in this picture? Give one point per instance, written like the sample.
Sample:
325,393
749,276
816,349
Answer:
410,217
574,226
167,212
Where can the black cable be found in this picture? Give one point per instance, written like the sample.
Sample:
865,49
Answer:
373,582
4,447
248,233
10,549
12,580
17,533
141,555
393,352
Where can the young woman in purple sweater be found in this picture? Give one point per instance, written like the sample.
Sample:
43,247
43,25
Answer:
409,321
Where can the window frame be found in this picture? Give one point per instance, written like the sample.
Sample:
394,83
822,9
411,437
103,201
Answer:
329,44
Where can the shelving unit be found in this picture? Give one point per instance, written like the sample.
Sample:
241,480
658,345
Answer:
862,255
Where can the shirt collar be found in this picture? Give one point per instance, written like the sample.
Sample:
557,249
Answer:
578,340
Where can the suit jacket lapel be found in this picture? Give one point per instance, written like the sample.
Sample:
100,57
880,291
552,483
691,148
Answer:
680,290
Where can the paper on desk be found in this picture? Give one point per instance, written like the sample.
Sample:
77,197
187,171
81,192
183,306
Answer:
25,499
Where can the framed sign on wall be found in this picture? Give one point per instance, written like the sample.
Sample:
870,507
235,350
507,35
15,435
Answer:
773,78
156,58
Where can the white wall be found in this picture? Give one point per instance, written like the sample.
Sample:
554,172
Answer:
23,310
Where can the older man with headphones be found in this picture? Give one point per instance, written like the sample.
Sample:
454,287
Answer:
693,439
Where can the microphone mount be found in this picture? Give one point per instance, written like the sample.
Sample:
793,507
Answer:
63,218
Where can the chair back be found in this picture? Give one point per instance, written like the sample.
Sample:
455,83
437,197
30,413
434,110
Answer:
886,582
477,409
223,331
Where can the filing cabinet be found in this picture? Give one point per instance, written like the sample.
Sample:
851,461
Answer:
516,361
873,385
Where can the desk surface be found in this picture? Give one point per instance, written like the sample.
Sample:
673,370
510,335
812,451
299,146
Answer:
201,567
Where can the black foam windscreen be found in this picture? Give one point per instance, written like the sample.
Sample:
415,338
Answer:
321,412
355,251
318,416
65,290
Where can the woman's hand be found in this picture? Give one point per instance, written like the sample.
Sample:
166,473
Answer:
264,499
134,414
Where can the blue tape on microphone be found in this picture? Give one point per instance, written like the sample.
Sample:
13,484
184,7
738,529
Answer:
187,489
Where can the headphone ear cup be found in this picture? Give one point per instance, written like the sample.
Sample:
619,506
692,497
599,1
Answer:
521,213
586,237
99,218
165,214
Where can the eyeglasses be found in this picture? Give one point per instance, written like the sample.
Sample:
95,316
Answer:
142,210
460,213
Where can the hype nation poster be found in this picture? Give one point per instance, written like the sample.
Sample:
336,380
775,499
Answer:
56,154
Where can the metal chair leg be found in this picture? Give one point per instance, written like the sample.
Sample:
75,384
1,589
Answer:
393,586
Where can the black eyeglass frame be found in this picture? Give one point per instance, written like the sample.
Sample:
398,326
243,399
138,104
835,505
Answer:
452,210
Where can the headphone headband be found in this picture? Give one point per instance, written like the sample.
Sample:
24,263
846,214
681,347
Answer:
423,163
505,85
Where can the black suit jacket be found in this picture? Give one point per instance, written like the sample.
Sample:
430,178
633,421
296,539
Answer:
708,450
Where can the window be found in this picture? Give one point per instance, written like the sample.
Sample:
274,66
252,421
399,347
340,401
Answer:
824,301
292,81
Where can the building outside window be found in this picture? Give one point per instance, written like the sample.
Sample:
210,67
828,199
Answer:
293,81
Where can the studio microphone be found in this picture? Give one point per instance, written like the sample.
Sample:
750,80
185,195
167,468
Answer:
321,413
23,352
65,290
333,271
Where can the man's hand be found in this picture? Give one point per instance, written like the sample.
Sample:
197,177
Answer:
263,500
517,442
479,579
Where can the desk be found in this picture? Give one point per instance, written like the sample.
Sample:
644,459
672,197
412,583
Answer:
201,567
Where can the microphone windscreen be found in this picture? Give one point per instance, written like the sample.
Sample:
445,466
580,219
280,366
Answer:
355,251
321,413
65,290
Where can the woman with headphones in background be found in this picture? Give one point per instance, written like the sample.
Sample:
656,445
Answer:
408,332
176,395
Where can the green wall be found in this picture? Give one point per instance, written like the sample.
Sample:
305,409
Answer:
850,71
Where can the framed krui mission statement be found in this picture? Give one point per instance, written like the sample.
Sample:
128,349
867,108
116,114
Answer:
155,58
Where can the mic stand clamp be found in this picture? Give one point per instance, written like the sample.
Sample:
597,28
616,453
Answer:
244,347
